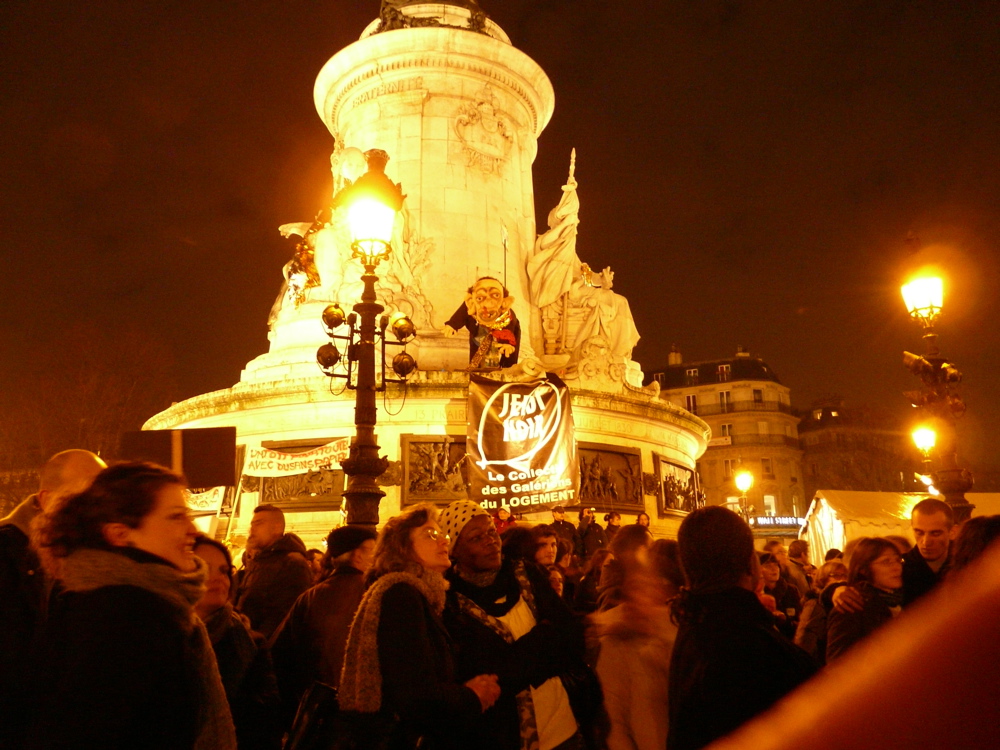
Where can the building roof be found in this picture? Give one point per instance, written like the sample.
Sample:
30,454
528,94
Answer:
740,368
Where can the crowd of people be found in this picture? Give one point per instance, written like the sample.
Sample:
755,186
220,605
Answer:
123,627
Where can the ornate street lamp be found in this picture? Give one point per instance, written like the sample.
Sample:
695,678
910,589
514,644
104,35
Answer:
924,298
744,481
370,204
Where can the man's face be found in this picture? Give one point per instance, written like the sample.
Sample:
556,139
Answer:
933,534
558,515
781,553
546,551
478,547
265,529
503,515
771,573
487,300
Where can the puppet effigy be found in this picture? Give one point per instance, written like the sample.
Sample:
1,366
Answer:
494,331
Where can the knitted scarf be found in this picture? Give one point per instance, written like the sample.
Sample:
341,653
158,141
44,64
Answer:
91,569
361,678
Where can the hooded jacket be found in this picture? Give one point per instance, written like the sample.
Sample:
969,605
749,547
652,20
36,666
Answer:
272,581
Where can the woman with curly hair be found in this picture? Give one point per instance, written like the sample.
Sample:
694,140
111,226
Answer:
876,571
124,661
398,687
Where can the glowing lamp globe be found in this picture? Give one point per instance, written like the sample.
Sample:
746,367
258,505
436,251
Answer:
924,438
371,203
744,481
924,297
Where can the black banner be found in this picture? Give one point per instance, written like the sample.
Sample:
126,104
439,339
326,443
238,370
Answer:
521,445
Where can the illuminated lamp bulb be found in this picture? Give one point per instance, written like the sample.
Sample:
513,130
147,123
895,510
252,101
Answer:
924,297
744,481
925,439
403,328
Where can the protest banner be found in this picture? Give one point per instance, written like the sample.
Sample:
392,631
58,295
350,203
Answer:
264,462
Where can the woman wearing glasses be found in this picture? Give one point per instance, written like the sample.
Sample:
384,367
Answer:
398,688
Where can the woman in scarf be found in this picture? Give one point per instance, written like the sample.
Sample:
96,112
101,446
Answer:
242,655
123,660
876,570
398,688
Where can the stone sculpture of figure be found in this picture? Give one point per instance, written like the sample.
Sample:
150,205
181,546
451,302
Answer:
555,264
494,331
609,316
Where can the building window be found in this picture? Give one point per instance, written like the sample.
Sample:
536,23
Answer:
726,401
727,430
691,403
758,396
691,376
770,506
763,428
766,468
727,468
733,503
724,373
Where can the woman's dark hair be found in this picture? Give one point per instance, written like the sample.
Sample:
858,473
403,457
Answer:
641,514
517,543
867,551
394,547
715,547
975,536
206,541
833,554
563,548
596,561
124,493
612,514
628,539
665,559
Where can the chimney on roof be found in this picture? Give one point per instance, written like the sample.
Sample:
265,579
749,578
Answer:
741,353
674,357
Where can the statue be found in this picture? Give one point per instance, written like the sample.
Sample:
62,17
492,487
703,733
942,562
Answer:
494,330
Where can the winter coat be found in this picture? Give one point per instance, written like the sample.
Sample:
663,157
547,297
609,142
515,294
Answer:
555,647
786,602
797,577
123,662
309,645
810,635
248,678
592,537
568,533
918,577
399,673
844,629
271,582
634,669
729,665
22,594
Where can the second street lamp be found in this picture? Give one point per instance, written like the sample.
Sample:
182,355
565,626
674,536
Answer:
370,205
744,481
924,298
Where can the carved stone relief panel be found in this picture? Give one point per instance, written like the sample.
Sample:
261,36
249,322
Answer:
610,477
434,469
485,133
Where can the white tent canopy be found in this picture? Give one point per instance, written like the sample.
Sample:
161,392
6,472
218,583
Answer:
835,516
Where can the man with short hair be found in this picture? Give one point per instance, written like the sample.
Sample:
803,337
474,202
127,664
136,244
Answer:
505,618
23,587
926,564
798,559
565,529
546,545
276,573
729,663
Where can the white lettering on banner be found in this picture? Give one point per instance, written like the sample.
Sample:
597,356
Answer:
264,462
206,502
513,407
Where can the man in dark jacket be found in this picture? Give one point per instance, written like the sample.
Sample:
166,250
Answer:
591,533
565,529
729,663
309,645
22,581
505,619
926,564
277,572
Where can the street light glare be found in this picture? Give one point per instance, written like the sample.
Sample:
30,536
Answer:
371,223
744,481
925,439
924,297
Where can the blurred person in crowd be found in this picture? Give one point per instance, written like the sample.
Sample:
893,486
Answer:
276,573
787,604
629,550
592,536
23,584
924,566
124,661
642,519
585,600
811,632
546,545
315,558
506,619
798,564
635,640
503,520
613,522
729,663
399,686
567,563
242,655
518,543
833,554
565,529
558,580
975,536
876,572
665,560
309,644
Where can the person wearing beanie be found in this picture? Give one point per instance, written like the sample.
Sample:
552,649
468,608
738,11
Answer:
505,618
309,644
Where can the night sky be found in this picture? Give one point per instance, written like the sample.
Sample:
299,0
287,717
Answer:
749,170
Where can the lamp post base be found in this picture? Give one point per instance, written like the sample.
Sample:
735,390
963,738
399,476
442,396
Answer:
953,484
